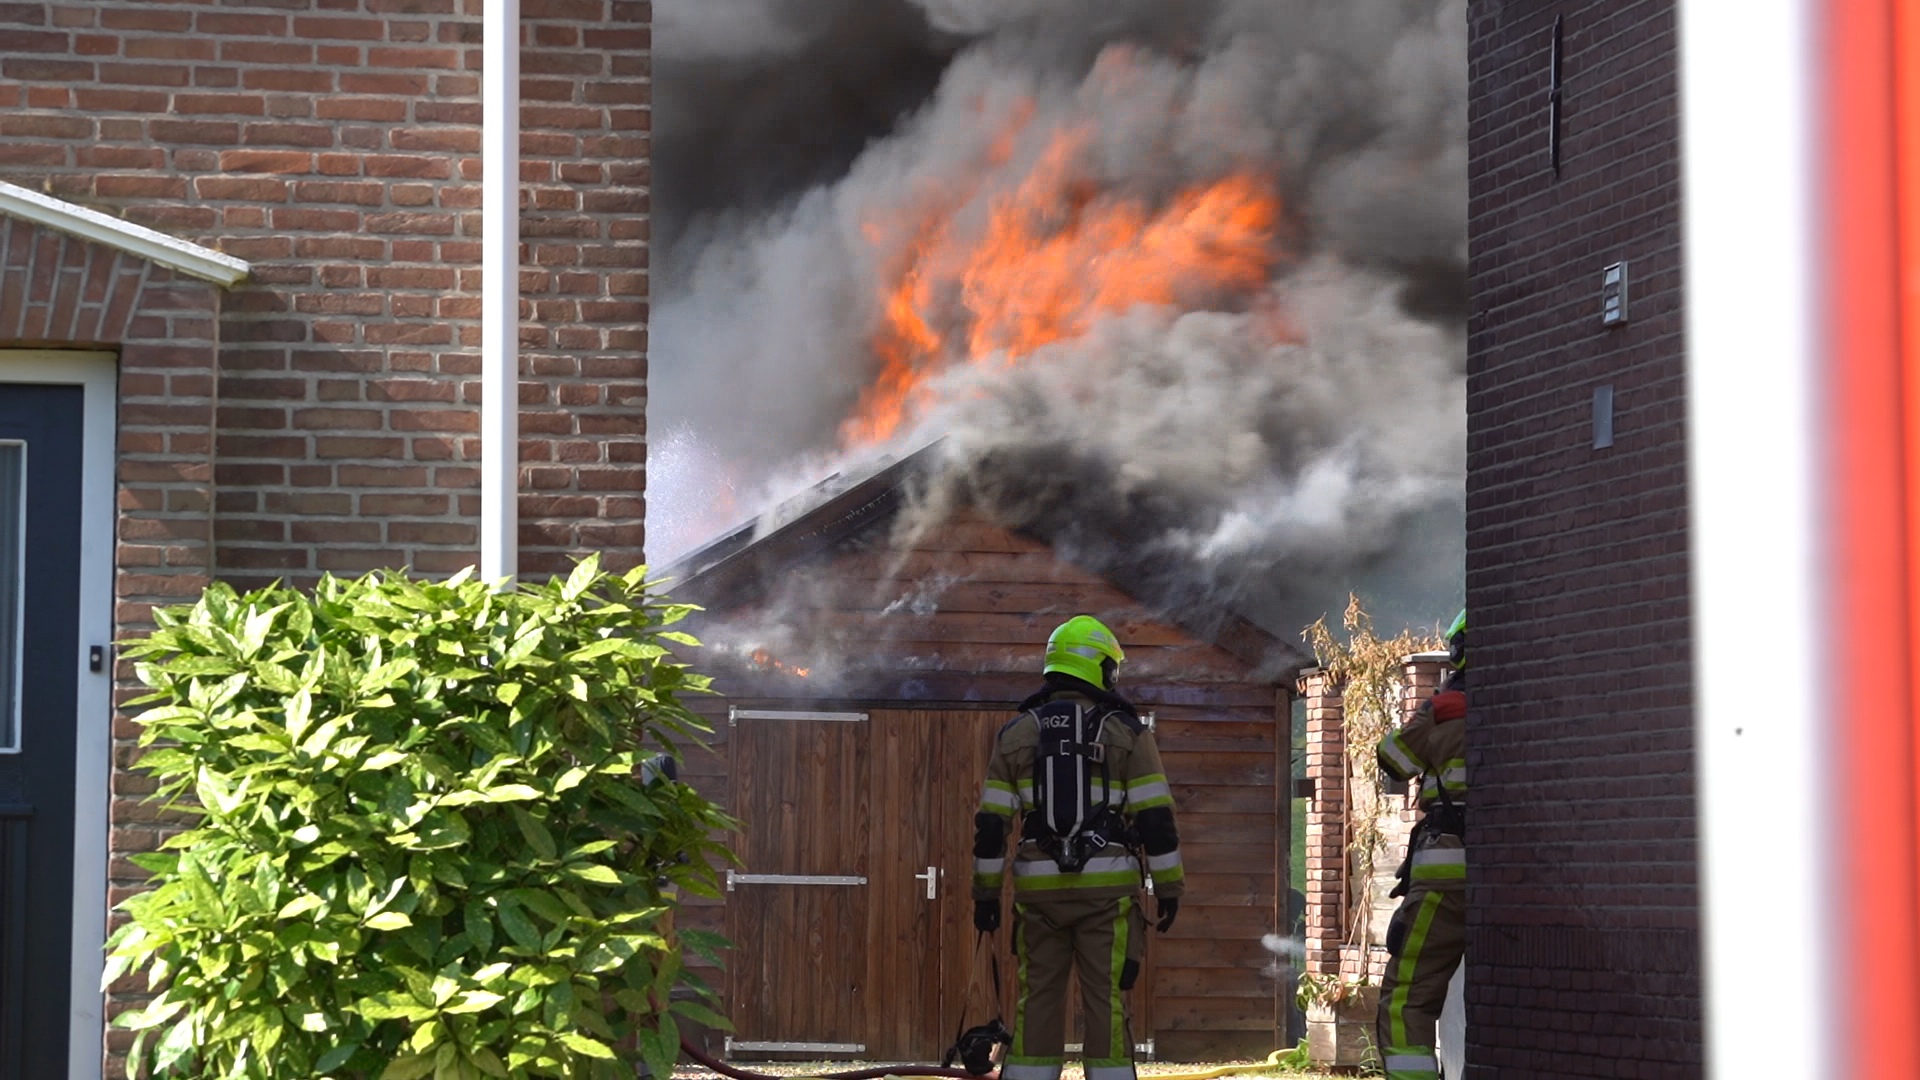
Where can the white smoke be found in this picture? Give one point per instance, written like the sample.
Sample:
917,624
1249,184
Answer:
1061,24
1212,461
975,16
716,29
1288,953
1274,470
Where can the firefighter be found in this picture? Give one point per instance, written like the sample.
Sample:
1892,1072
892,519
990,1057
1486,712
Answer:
1428,935
1081,773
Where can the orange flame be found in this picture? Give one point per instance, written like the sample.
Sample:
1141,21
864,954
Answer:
1055,254
766,661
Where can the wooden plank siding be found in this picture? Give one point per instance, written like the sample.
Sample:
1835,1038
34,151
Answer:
951,633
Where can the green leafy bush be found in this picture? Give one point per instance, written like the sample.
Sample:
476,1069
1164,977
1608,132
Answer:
422,845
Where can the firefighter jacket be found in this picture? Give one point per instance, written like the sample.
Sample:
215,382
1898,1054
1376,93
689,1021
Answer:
1433,746
1132,783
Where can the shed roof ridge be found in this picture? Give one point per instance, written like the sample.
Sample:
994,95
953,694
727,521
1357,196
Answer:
738,554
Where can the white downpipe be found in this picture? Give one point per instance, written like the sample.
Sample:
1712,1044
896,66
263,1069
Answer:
500,292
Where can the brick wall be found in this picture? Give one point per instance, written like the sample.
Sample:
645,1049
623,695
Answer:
1583,904
323,415
58,289
1340,904
1333,899
334,144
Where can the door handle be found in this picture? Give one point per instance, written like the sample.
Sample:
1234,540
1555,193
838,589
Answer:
930,877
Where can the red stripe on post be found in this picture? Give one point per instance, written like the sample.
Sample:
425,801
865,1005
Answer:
1907,148
1873,608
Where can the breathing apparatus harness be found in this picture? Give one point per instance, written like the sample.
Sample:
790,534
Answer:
1447,819
1066,824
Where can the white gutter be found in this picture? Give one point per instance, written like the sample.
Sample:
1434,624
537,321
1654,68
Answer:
92,225
500,292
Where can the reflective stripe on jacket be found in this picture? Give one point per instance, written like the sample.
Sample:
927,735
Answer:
1435,751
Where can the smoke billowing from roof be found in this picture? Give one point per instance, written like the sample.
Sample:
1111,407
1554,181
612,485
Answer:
1277,423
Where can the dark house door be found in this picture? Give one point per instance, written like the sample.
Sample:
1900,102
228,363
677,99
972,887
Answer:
40,493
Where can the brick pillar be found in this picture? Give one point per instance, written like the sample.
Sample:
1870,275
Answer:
1420,676
1326,856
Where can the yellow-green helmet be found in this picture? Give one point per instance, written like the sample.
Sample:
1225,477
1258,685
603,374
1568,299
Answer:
1457,641
1080,646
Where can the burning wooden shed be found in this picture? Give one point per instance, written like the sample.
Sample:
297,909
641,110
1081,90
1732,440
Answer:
862,670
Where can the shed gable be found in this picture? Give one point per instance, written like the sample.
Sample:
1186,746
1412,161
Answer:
977,597
858,598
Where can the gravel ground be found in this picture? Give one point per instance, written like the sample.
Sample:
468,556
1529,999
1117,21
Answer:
1071,1072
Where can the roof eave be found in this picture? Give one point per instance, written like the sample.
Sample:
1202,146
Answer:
738,561
92,225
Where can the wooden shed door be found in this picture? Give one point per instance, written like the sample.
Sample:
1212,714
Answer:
797,911
852,919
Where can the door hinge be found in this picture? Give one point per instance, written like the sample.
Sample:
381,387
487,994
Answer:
735,714
792,879
1142,1050
731,1045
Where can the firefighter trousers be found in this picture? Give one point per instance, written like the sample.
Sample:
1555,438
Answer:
1425,941
1103,938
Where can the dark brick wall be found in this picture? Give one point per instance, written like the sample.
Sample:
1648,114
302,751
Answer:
1584,920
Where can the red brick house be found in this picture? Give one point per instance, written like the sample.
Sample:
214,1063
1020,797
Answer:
239,288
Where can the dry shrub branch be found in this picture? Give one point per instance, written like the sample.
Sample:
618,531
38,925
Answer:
1369,670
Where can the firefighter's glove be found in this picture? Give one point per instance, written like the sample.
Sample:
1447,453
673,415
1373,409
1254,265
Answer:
1449,705
1169,907
986,916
